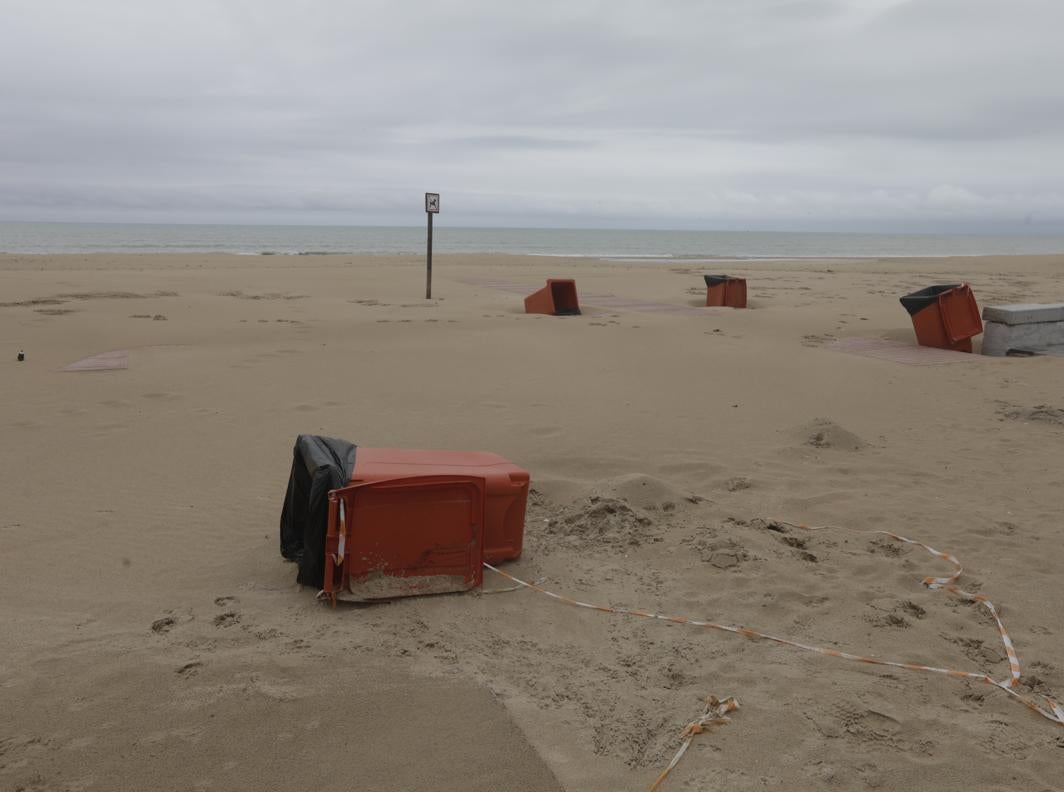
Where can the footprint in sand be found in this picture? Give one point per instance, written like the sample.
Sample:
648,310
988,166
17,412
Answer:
817,340
26,424
78,743
227,619
189,669
118,404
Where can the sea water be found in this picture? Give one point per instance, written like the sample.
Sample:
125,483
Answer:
590,243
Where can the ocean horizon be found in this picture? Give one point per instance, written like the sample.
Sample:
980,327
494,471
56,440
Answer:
622,244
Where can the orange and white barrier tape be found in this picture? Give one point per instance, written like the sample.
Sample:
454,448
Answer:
715,714
1047,707
508,589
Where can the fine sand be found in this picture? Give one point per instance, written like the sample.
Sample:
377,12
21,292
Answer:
152,638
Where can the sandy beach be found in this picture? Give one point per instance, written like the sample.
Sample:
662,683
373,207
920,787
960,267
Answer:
151,636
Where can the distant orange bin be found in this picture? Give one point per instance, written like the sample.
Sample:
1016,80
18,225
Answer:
557,298
725,291
944,316
422,522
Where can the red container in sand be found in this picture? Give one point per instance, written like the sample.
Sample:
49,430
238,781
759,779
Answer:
944,316
725,291
422,522
557,298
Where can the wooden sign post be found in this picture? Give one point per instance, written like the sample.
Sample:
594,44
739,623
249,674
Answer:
432,206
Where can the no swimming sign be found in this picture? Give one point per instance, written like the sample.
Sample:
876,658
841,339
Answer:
432,206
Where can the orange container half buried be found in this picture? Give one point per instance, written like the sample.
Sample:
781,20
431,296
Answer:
415,531
725,291
557,298
944,316
404,537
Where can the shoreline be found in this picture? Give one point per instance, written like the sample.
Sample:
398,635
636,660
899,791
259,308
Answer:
619,258
621,243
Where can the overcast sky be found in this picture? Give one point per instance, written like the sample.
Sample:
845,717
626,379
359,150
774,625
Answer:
767,114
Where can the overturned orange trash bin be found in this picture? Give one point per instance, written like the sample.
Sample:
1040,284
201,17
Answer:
421,522
725,291
944,316
557,298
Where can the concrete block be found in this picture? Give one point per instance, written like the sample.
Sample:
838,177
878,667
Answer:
1024,313
999,338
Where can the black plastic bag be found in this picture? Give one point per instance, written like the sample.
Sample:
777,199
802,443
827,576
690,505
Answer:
319,464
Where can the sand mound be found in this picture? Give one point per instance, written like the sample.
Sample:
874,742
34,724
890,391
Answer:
615,514
604,523
825,433
643,492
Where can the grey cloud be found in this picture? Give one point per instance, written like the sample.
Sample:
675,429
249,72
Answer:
756,111
521,142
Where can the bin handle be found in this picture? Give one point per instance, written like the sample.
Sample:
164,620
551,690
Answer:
341,548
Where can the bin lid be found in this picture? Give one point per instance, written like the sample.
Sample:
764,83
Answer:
435,458
918,300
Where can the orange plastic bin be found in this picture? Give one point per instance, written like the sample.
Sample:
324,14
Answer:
944,316
725,291
422,522
557,298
